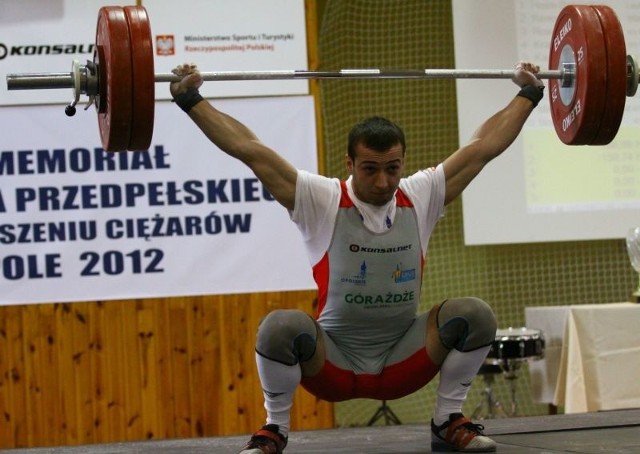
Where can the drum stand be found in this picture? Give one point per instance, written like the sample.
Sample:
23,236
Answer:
384,411
508,370
510,373
511,347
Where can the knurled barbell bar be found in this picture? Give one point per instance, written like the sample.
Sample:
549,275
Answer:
590,76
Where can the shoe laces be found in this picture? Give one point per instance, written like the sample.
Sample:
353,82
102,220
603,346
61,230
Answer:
258,440
476,428
468,425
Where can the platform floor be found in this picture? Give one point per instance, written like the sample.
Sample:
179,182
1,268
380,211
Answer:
602,432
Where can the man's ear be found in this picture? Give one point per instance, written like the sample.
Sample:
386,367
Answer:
349,163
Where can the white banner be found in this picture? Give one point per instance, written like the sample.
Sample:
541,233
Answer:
238,35
45,36
78,224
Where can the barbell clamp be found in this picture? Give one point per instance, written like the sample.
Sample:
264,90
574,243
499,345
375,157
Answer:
83,81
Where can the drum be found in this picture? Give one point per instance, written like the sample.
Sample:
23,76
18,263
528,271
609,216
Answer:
515,345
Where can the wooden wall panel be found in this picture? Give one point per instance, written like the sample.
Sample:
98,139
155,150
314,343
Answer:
96,372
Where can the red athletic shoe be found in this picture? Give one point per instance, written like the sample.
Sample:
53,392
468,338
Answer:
461,435
266,441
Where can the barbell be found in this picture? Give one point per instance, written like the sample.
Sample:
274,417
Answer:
590,76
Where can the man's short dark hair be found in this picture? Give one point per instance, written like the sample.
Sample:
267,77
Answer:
376,133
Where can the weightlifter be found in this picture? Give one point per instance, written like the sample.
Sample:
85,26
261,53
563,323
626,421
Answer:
367,240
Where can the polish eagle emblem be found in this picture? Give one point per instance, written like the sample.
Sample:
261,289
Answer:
165,45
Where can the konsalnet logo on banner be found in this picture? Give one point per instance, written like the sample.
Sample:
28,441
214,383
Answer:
218,36
81,224
46,39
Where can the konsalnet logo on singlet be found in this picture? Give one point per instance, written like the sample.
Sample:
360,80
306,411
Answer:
379,250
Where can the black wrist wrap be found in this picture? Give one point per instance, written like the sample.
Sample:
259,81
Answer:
188,99
532,93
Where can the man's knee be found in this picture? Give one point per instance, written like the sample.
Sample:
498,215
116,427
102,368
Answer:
466,324
287,336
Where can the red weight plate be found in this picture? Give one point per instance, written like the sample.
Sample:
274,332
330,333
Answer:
616,75
143,78
577,110
114,55
101,99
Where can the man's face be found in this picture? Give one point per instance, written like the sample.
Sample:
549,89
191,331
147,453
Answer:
376,175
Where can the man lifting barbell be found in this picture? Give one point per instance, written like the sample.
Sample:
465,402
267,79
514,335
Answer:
367,240
367,236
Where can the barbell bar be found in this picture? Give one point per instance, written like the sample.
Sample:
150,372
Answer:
590,76
30,81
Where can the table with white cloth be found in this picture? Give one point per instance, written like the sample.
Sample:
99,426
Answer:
592,356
